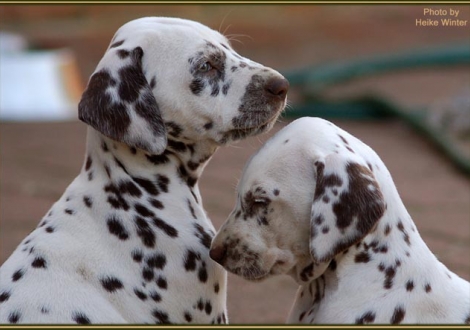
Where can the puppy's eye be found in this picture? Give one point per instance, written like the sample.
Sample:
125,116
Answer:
205,67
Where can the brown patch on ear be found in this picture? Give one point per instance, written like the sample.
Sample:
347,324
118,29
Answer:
363,200
97,108
117,93
350,216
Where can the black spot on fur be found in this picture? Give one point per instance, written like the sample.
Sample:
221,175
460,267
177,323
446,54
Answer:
387,230
156,203
104,146
202,274
307,272
163,182
14,317
204,237
153,82
121,165
208,308
174,129
398,315
186,177
216,287
147,185
190,260
162,283
177,146
208,125
50,229
80,318
148,274
68,211
137,255
225,88
427,288
4,296
88,163
155,296
197,86
367,317
111,284
188,317
122,53
157,261
158,159
409,286
116,228
191,209
167,229
200,304
362,257
143,211
389,275
142,296
39,262
17,275
117,44
276,192
161,316
87,201
145,233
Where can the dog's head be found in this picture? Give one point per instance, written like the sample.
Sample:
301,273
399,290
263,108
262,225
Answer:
175,76
307,195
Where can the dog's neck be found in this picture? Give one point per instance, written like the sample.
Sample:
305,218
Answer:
117,160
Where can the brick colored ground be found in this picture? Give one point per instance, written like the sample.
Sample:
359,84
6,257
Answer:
38,160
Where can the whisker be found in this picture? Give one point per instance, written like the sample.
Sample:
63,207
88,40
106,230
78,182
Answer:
222,23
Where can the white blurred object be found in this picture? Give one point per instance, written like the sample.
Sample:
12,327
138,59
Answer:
37,85
10,42
453,115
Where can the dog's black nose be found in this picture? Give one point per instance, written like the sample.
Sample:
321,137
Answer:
217,253
277,86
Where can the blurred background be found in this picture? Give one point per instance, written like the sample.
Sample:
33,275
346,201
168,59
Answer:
47,53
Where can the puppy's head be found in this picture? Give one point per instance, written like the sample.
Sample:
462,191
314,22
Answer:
304,197
175,76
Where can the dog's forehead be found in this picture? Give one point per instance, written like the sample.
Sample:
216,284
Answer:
292,151
170,28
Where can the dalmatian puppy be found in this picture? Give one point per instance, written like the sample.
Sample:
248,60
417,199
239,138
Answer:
319,205
128,242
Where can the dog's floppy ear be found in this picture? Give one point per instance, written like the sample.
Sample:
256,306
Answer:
347,204
119,102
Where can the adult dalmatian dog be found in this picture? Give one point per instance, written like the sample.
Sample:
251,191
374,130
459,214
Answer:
318,204
128,241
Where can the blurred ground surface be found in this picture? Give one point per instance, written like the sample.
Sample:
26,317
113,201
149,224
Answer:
38,161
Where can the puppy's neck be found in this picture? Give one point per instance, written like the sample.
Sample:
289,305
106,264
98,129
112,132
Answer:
182,159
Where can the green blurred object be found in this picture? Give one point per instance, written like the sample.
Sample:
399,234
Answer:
311,82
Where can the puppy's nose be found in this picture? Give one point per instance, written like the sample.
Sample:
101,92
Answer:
277,86
217,253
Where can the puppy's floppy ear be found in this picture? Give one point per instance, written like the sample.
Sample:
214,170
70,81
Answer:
119,102
347,204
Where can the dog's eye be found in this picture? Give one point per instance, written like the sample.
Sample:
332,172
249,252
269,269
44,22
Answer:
205,67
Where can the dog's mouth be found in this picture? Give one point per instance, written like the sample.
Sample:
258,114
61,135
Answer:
252,273
239,133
